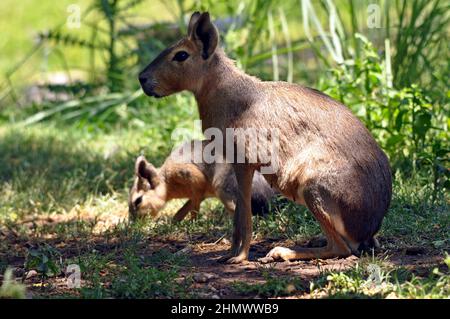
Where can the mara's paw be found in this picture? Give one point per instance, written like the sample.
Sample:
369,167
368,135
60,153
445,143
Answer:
278,253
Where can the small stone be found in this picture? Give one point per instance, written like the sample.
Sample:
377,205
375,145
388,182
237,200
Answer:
414,250
203,277
250,267
392,295
290,289
184,251
31,274
213,289
203,295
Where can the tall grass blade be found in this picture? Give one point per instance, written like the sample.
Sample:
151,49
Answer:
273,41
287,38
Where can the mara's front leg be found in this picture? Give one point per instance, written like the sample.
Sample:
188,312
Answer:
191,206
242,234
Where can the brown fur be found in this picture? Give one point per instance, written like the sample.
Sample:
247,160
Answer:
328,160
154,187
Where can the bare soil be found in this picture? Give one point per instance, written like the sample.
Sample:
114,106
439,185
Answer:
212,278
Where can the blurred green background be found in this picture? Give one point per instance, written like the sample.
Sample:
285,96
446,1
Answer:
387,60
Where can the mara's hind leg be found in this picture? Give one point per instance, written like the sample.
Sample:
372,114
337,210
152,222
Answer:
336,246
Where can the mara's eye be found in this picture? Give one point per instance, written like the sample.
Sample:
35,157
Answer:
181,56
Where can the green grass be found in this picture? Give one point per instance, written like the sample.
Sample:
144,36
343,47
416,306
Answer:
62,172
134,277
415,218
273,286
376,279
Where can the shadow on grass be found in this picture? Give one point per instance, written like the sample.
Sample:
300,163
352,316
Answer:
40,171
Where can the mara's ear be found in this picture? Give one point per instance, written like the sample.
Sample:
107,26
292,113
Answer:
192,21
144,169
204,33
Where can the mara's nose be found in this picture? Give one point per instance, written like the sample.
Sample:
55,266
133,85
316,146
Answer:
142,79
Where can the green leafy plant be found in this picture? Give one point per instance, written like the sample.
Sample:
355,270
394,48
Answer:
359,282
45,259
404,121
104,18
138,280
421,26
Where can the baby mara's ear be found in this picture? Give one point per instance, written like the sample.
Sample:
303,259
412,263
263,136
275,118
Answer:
204,33
192,22
145,170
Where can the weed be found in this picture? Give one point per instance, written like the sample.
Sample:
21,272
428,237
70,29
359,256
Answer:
10,288
274,286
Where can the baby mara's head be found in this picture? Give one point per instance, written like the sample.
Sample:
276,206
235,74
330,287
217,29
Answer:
147,193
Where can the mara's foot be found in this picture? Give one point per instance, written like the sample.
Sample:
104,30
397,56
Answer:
278,253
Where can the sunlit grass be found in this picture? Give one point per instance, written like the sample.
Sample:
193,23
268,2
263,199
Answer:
376,278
